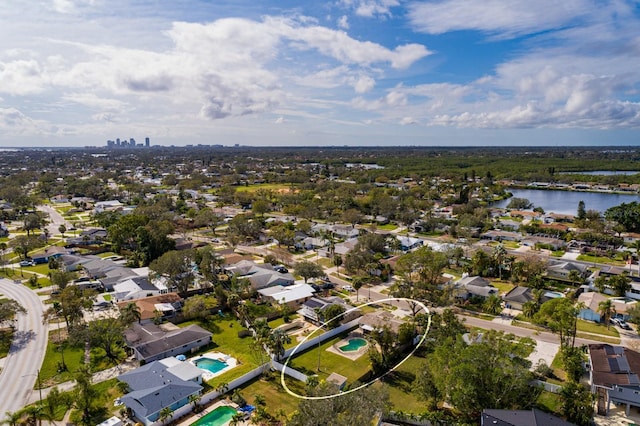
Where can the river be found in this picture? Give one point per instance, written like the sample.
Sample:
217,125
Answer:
566,202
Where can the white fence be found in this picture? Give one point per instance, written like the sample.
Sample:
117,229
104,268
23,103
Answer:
549,387
322,337
289,371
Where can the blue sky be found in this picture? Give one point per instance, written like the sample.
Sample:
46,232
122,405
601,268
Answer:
341,72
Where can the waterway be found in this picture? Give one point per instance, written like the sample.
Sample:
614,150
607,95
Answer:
566,202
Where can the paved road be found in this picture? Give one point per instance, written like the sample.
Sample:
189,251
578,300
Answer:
27,350
55,219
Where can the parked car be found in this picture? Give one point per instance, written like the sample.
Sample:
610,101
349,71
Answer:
348,288
316,288
328,286
623,325
280,269
26,263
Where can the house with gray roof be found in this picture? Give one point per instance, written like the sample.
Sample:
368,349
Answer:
149,342
158,385
260,275
517,297
468,287
562,270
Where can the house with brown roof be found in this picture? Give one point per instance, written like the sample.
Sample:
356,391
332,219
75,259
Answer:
613,376
167,304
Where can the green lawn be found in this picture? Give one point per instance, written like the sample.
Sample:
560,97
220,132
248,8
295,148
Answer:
6,335
600,259
266,186
503,286
550,402
49,374
329,362
274,394
593,327
399,384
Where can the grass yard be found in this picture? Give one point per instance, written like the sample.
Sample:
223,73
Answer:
49,374
600,259
399,384
274,394
503,286
6,335
550,402
593,327
276,187
307,362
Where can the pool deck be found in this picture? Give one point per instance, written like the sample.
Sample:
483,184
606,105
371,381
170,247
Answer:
218,356
192,418
352,355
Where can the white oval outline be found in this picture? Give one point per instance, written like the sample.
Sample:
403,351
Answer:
335,395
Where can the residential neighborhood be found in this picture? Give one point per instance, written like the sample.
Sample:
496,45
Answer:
181,291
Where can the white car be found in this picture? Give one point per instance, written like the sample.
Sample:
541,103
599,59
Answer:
348,288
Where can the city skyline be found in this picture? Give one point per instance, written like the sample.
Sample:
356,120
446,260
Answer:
346,72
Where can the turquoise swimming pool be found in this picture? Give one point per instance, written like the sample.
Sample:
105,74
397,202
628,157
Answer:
353,345
217,417
212,365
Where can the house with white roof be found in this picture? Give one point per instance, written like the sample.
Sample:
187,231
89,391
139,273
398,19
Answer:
134,288
291,296
103,206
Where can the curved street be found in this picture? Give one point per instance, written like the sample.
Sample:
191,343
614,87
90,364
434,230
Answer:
21,366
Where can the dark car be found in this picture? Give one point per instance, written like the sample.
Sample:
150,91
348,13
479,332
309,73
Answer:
316,288
328,286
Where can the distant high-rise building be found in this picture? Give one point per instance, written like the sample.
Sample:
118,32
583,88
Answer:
147,143
117,141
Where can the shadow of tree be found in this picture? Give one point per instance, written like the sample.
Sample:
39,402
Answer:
22,338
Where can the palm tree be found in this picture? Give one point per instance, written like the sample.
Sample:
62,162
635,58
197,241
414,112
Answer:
12,418
499,256
575,277
276,342
130,314
195,399
529,309
607,310
236,419
222,388
3,247
165,413
357,285
492,305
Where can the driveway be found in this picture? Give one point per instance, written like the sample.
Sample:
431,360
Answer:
27,350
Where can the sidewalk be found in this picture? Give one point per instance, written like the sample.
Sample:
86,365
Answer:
98,377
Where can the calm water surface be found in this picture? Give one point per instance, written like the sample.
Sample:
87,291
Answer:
566,202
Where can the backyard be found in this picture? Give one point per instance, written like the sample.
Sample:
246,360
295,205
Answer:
308,362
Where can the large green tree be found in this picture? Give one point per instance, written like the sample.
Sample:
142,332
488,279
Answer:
492,371
307,270
356,408
176,267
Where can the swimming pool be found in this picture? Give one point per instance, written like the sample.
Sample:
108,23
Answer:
217,417
212,365
353,345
